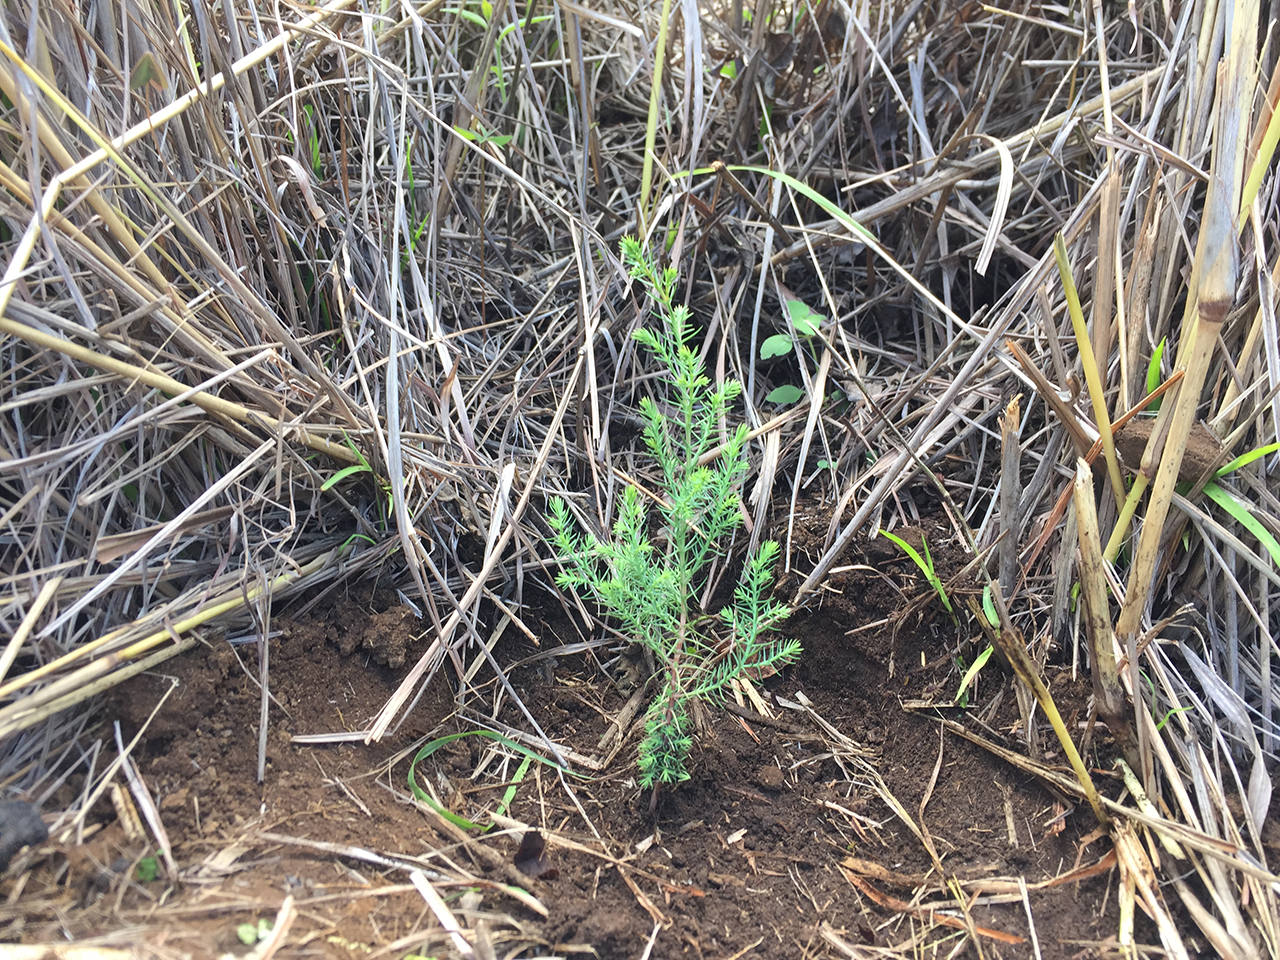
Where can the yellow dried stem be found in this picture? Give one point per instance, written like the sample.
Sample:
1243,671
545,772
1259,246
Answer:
1092,374
27,711
651,127
1008,640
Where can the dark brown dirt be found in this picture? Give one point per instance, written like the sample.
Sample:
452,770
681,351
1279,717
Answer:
771,839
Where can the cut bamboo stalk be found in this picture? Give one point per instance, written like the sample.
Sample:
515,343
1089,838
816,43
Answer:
1010,494
1108,692
1210,293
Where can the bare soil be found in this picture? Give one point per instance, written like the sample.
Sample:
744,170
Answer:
772,842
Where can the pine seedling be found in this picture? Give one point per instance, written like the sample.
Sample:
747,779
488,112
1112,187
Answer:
650,585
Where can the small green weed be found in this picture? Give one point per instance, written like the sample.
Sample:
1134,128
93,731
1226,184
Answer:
362,467
529,758
651,588
807,323
481,20
313,139
925,564
147,74
805,320
483,136
989,607
251,933
1169,714
970,675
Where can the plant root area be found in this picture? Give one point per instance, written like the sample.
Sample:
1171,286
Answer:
785,842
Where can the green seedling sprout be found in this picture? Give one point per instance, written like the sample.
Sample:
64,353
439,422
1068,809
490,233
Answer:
925,564
351,471
766,121
251,933
483,136
650,584
313,139
358,536
806,323
1168,716
1153,374
481,20
356,468
418,225
1155,717
989,607
147,74
970,675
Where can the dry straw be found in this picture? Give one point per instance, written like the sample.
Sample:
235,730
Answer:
248,246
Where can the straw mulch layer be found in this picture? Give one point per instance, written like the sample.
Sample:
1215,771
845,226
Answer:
301,304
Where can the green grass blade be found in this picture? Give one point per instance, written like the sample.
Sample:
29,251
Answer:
429,748
651,126
1261,164
344,473
1239,511
925,564
971,674
1153,372
989,607
1247,458
510,793
909,550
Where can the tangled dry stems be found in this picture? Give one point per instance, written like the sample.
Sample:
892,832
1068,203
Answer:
250,247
